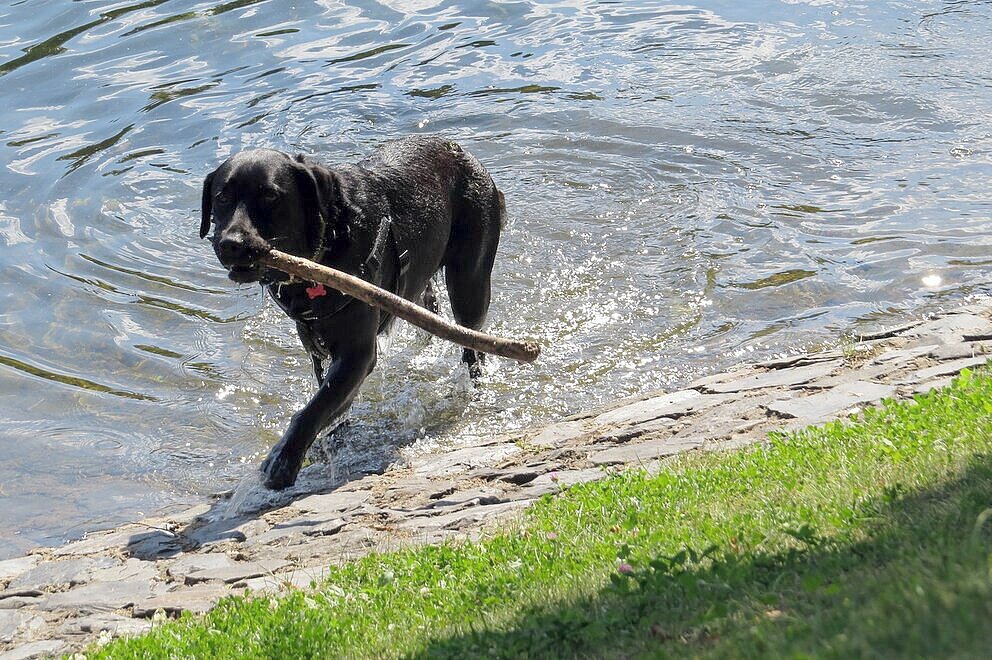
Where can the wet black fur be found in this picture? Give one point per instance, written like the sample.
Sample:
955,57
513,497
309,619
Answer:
444,210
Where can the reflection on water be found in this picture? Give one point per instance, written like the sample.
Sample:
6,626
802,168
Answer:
688,186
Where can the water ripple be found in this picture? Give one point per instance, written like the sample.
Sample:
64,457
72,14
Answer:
688,186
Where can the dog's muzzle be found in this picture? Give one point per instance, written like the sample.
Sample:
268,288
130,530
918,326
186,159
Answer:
239,255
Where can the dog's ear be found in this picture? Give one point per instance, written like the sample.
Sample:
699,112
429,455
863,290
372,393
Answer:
206,204
322,193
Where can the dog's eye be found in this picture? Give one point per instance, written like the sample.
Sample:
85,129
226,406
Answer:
222,197
271,196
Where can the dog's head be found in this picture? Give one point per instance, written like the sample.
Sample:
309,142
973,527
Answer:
265,199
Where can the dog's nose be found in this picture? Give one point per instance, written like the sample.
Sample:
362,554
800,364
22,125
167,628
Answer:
233,249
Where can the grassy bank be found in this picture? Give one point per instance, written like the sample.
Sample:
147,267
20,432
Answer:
866,538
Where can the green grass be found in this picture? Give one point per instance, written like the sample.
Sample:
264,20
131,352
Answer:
867,538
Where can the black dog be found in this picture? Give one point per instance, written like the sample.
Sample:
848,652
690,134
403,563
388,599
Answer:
394,219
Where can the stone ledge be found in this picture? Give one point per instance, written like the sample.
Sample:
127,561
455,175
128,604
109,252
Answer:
57,600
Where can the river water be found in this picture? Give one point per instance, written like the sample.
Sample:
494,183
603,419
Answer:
689,185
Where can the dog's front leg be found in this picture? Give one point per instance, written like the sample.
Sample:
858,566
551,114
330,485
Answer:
340,385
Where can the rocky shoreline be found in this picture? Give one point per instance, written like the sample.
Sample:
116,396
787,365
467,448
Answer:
121,581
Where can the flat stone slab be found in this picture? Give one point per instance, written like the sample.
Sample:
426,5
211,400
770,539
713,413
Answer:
132,539
12,567
945,369
336,502
99,596
115,624
953,328
458,459
776,378
227,529
39,649
130,570
465,518
664,405
553,482
642,452
197,599
17,602
899,356
464,498
191,563
236,571
299,529
52,574
822,405
301,578
958,351
13,621
558,434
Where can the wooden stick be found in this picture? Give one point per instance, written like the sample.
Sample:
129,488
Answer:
521,351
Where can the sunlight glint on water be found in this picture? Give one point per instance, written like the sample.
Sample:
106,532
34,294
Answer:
688,186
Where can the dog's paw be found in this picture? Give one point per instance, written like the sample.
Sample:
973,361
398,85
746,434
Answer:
279,472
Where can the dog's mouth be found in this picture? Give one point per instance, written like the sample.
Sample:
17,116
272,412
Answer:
254,272
243,273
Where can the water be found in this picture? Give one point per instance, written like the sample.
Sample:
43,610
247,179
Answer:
688,186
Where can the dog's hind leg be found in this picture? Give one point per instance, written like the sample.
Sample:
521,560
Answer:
468,266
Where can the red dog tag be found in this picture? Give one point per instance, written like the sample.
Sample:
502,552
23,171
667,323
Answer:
316,291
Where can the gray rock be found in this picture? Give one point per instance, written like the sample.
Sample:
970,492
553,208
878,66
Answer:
414,487
823,405
800,360
459,459
115,624
921,388
134,540
734,373
100,596
191,563
958,351
618,433
177,518
13,567
953,328
14,621
457,520
665,405
517,475
558,480
301,578
7,594
236,572
465,498
886,333
299,529
642,452
196,599
17,602
558,434
867,371
131,570
945,369
897,356
335,502
777,378
51,574
226,529
43,648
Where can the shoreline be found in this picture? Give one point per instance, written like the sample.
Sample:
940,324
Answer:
58,600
